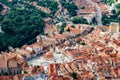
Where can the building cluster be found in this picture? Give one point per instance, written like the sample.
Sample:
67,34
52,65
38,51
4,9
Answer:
94,54
88,8
14,62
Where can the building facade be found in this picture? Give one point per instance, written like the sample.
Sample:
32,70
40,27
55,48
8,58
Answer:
114,27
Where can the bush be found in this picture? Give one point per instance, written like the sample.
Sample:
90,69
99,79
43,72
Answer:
71,7
79,20
25,72
109,2
21,26
82,43
52,5
74,75
5,73
1,7
83,7
73,26
1,17
68,30
62,27
94,22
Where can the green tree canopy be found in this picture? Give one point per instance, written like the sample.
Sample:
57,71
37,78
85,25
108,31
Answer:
1,7
71,7
109,2
21,26
74,75
62,27
78,20
106,19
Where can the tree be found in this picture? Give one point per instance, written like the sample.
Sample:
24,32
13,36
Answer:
78,20
71,7
25,72
1,18
109,2
68,30
94,21
82,43
83,7
5,73
106,19
21,26
51,4
73,26
62,27
118,6
61,31
1,7
113,11
74,75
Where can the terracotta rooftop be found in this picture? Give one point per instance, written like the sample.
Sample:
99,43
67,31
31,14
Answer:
8,60
48,55
74,30
6,78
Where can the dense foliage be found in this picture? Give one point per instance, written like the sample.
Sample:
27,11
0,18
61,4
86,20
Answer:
51,4
74,75
21,24
82,43
114,17
1,7
71,7
118,7
62,27
78,20
93,21
109,2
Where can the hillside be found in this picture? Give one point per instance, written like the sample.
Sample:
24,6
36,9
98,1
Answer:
22,20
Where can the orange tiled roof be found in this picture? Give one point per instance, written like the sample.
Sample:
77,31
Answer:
8,60
48,55
52,70
74,30
6,78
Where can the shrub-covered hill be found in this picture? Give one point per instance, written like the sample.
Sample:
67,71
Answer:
21,24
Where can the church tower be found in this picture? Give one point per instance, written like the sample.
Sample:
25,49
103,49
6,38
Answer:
114,27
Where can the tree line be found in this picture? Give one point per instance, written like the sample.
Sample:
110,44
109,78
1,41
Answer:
21,25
